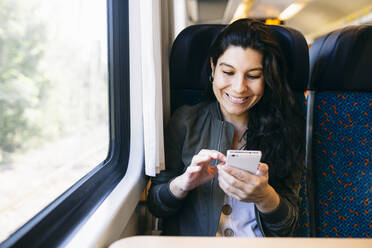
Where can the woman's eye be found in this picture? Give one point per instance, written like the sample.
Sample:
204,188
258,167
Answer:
228,73
253,77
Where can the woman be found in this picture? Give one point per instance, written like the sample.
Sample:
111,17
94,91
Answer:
199,194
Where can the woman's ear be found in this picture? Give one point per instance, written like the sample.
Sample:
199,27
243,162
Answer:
212,66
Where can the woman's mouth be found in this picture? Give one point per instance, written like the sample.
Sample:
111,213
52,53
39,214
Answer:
236,100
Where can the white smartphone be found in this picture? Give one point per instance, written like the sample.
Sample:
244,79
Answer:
243,159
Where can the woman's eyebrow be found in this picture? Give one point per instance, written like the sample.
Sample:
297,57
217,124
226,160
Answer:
256,69
223,63
253,69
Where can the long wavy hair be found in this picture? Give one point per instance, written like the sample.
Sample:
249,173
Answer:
276,123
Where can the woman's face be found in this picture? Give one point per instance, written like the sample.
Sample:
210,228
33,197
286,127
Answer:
238,80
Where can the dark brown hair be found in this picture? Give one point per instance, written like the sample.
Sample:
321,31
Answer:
276,123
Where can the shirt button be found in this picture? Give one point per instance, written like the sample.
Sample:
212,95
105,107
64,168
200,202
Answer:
226,209
228,232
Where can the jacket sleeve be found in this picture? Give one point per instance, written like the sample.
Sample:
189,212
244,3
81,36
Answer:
283,220
160,200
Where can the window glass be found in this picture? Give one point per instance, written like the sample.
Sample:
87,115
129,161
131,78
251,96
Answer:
53,101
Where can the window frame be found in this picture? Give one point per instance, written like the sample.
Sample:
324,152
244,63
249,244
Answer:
56,223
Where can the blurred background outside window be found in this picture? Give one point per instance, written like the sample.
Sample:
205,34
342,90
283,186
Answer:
53,101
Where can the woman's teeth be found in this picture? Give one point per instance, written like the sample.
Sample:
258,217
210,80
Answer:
236,99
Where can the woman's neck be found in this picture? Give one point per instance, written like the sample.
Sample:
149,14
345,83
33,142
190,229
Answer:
238,140
240,124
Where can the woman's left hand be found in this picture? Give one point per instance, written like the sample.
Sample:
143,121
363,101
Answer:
245,186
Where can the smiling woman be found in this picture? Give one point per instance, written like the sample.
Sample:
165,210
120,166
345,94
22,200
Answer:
254,109
238,82
87,85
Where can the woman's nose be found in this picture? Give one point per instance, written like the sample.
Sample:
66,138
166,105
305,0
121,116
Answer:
239,85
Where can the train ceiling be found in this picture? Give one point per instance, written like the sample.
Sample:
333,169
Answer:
313,17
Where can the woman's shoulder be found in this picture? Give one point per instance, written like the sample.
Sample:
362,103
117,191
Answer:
190,112
185,118
189,115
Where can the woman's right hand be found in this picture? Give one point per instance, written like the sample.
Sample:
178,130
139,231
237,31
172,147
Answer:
199,172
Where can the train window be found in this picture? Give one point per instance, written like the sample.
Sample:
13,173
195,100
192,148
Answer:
54,110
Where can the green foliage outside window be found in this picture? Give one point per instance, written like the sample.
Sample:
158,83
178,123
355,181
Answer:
22,85
53,72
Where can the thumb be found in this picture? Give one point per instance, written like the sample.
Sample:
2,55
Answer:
262,170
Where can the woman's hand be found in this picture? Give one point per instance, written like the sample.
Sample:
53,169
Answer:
245,186
199,172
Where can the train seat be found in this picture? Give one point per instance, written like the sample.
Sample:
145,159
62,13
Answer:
341,84
189,65
189,71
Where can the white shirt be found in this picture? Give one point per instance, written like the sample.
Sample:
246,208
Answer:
239,219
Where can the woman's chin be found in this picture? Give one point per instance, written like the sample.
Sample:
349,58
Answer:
236,111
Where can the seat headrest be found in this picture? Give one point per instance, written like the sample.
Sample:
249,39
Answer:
189,62
342,60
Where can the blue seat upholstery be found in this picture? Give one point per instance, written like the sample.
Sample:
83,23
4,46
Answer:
341,78
190,68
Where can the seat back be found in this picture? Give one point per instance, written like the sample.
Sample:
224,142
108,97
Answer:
189,64
190,68
341,84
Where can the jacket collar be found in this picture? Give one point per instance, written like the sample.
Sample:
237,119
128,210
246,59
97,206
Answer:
216,110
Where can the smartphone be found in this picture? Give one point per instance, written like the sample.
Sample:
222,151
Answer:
243,159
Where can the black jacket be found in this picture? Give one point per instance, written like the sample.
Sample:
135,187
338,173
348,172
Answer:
190,130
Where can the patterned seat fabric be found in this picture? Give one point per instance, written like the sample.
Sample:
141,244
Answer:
342,151
342,132
189,70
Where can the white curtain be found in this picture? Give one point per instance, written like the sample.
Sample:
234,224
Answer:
151,71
